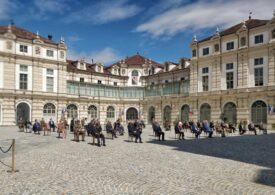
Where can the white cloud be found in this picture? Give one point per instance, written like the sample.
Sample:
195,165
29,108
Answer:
6,8
205,14
53,6
104,12
105,56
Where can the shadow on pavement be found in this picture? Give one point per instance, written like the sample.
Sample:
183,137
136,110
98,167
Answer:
257,150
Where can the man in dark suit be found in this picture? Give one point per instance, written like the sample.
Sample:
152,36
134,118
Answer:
158,131
96,131
109,129
72,125
137,131
52,125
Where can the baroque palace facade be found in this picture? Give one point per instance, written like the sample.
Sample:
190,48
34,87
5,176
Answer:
230,77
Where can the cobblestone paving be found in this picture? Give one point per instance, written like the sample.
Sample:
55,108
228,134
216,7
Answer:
231,165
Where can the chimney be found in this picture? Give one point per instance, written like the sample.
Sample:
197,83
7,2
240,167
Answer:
182,63
50,37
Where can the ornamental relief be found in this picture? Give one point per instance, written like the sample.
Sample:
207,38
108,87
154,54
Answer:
9,45
37,50
62,54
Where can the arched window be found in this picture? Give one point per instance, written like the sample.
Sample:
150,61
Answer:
132,114
92,111
134,77
167,113
134,73
71,111
49,109
110,112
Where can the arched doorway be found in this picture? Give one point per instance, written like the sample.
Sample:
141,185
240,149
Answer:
205,112
131,114
259,112
185,113
167,113
49,112
230,113
22,111
151,114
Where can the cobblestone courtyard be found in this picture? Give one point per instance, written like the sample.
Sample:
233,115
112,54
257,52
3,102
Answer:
231,165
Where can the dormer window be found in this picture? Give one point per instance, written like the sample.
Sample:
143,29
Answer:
243,41
205,51
217,47
81,66
49,53
259,39
99,68
24,48
230,45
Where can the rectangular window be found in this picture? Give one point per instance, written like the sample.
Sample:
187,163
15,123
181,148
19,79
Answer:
259,39
259,76
115,83
229,66
23,81
205,70
81,80
49,84
230,45
49,71
49,53
230,80
166,81
23,68
258,61
205,83
24,48
205,51
194,53
99,82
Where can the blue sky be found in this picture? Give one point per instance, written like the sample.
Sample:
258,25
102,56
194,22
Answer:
109,30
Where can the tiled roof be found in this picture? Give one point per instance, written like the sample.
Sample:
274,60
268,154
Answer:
137,60
24,34
72,67
252,23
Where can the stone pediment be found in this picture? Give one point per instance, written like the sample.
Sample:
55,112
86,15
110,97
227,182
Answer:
10,35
